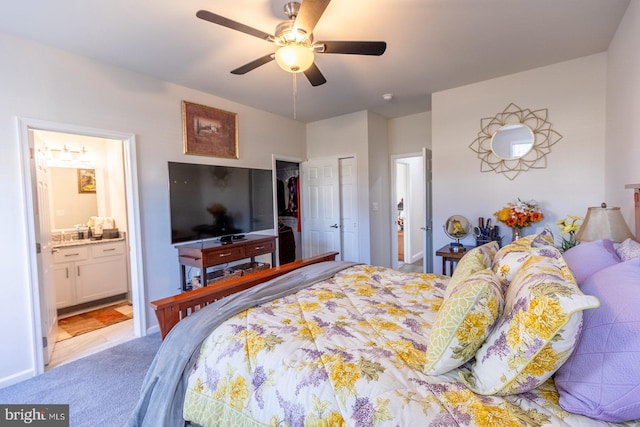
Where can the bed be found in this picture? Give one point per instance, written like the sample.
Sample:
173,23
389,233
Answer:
508,340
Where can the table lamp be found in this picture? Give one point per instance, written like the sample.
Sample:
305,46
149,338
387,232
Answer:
603,223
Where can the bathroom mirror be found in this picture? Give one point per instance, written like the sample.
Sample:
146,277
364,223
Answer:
69,206
457,227
514,141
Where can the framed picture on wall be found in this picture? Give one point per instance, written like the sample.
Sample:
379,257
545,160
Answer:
86,180
208,131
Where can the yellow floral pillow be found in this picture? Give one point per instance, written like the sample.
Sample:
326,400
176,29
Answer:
475,260
510,258
464,321
538,332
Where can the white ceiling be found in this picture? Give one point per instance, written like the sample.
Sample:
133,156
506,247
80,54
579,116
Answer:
432,45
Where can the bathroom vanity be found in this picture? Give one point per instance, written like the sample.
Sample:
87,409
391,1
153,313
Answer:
87,270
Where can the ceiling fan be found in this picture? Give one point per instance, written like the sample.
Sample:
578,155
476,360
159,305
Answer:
294,38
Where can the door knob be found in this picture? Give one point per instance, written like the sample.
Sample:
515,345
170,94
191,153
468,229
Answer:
334,226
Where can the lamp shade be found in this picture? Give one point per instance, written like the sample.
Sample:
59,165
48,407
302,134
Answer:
294,57
603,223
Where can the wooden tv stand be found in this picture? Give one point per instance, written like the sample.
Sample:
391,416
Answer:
203,255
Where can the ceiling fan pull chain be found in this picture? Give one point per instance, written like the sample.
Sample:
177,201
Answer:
295,94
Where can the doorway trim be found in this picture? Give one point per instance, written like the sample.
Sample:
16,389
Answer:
133,227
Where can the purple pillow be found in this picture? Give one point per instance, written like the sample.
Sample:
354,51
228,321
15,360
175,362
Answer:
588,257
601,379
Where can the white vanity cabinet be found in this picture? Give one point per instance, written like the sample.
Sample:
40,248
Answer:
64,273
84,273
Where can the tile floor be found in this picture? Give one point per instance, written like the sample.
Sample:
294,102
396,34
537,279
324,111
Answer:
90,343
87,324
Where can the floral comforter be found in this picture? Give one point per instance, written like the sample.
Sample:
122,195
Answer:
348,351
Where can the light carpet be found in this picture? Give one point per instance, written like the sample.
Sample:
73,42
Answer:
101,389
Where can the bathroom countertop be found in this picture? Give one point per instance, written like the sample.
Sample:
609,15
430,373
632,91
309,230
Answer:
86,242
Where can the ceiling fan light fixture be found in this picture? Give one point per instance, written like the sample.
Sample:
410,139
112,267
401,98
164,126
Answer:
294,57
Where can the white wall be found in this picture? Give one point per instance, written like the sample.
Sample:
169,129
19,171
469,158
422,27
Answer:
380,217
346,135
409,134
622,158
574,94
49,84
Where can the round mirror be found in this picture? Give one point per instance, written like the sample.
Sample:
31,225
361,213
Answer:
512,141
457,227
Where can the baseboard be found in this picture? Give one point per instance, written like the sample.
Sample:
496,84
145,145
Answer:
153,329
19,377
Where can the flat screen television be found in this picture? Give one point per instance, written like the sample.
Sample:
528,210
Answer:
209,201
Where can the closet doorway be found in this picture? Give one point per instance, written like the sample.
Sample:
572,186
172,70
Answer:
287,177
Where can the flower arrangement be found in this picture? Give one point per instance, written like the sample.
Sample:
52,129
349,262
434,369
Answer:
569,226
519,214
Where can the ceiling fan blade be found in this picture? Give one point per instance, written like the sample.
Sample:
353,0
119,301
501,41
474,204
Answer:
314,75
309,14
254,64
353,48
229,23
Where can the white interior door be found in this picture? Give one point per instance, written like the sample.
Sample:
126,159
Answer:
414,210
42,210
320,206
427,260
348,209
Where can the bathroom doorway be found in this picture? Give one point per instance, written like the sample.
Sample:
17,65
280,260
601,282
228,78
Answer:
123,200
90,315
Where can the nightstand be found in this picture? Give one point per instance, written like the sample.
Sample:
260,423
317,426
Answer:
451,257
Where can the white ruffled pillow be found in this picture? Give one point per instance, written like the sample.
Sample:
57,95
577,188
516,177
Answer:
629,249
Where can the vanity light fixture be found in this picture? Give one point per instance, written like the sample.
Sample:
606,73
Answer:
67,156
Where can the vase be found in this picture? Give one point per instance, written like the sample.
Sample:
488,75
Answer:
516,233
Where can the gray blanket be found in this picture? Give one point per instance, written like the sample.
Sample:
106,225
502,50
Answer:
163,389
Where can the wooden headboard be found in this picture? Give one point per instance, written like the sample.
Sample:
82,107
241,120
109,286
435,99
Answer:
171,310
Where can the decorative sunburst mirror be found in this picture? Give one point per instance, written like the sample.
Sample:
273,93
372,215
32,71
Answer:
515,140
